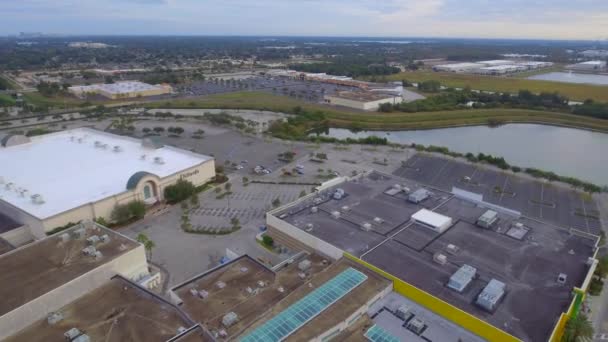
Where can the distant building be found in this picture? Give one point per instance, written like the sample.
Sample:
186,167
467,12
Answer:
595,53
588,66
458,67
88,45
51,180
122,90
362,100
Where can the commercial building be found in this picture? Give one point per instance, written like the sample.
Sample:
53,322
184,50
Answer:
588,66
305,298
458,67
43,277
362,100
121,90
595,53
51,180
493,67
515,281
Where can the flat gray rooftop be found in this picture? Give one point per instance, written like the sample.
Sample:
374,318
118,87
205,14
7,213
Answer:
528,264
541,200
35,269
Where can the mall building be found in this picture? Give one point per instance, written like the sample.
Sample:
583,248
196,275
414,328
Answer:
65,177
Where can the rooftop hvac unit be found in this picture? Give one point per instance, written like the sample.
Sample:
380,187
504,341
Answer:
304,265
335,214
302,275
65,237
338,194
194,292
223,333
89,250
309,227
261,283
452,249
79,233
82,338
98,255
93,240
229,319
117,148
220,284
491,295
24,192
54,318
345,208
71,334
441,259
159,160
249,290
244,269
402,311
561,278
202,294
416,326
143,157
366,226
105,238
314,210
397,187
378,220
281,289
519,225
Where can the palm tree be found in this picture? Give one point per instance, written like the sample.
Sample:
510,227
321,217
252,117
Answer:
578,328
148,244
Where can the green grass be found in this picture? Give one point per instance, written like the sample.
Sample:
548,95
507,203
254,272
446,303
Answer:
386,121
40,100
576,92
6,83
6,100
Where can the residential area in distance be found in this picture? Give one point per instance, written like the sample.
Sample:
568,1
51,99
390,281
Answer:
219,175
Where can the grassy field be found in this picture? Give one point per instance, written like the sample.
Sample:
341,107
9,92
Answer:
576,92
339,117
6,100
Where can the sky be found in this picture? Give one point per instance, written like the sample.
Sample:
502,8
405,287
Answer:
551,19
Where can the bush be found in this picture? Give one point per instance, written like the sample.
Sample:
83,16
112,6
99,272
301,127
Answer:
131,211
267,240
179,191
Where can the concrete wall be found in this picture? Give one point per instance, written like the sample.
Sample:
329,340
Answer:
18,236
131,265
309,240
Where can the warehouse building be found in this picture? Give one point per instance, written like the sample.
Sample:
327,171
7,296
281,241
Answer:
44,276
588,66
458,67
369,101
493,275
55,179
121,90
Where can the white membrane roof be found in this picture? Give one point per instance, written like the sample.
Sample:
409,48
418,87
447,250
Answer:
68,170
431,218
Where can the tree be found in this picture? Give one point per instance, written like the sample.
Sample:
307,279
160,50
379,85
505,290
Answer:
146,130
578,328
179,191
267,240
245,180
228,186
123,213
194,201
236,224
276,203
302,193
148,244
159,129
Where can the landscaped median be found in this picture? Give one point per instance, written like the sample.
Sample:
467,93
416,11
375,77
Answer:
344,118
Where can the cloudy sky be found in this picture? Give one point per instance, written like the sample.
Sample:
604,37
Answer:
555,19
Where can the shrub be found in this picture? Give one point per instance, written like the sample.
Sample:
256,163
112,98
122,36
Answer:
131,211
267,240
179,191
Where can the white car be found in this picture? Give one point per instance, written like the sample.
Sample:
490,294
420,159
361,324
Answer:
239,167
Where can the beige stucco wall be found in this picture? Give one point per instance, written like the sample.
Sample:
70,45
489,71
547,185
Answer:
131,265
372,105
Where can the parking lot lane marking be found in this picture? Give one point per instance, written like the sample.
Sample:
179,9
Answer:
542,193
585,215
504,187
433,181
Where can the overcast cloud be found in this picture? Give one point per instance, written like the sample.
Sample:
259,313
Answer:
555,19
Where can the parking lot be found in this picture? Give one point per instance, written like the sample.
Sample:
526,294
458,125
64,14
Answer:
537,199
312,91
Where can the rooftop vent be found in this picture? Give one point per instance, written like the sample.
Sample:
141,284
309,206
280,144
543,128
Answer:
117,148
98,255
561,278
105,238
244,269
54,318
93,240
441,259
220,284
24,192
223,333
159,160
143,157
378,220
249,290
89,250
366,226
79,233
345,208
338,194
194,292
281,289
309,227
37,199
314,209
229,319
452,249
335,214
202,294
304,265
65,237
261,283
71,334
